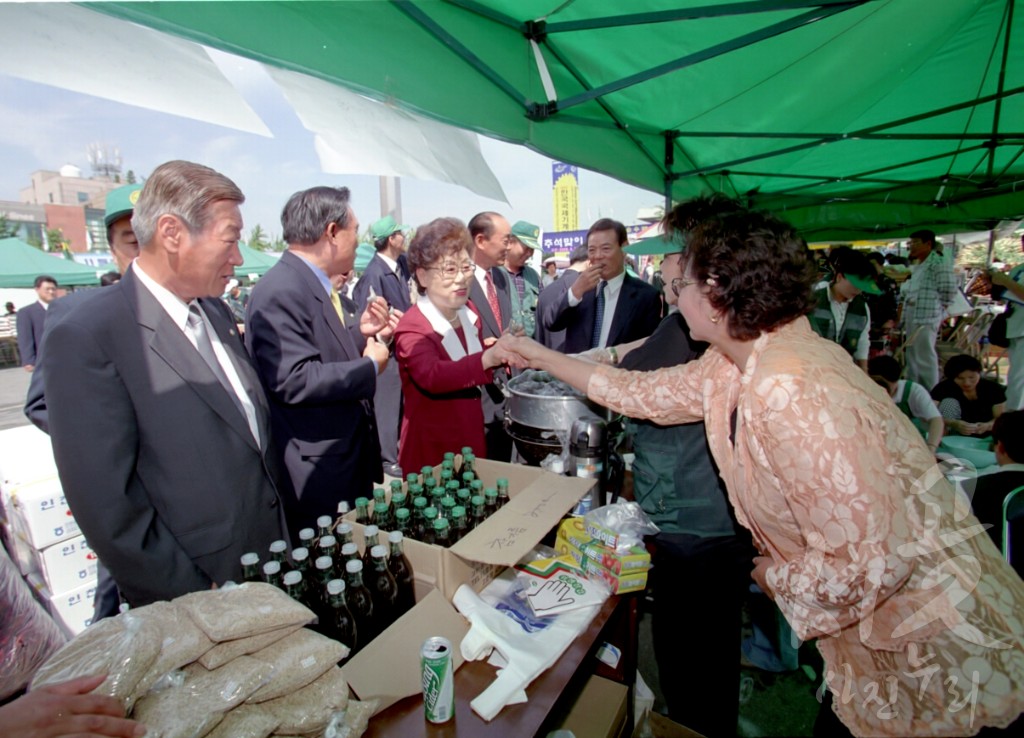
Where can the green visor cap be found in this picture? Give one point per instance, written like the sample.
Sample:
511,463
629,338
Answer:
657,245
864,284
385,227
121,202
528,233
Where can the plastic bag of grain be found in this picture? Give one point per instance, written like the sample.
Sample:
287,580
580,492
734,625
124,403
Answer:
309,709
124,648
245,721
243,610
297,659
194,708
224,652
183,641
352,721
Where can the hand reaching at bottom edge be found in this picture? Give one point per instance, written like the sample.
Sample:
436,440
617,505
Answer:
67,709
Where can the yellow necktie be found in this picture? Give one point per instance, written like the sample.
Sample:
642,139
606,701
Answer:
336,301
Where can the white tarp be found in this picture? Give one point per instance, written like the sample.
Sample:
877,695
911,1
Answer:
356,135
76,49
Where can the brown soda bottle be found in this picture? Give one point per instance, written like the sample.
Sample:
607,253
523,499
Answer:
371,537
342,622
279,552
442,533
382,516
324,524
363,514
293,586
325,572
328,546
459,525
396,488
502,491
479,512
343,533
429,518
349,552
383,588
448,505
307,538
419,507
425,472
360,601
403,521
400,567
410,479
490,501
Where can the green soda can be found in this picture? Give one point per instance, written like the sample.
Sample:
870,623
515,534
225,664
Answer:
438,681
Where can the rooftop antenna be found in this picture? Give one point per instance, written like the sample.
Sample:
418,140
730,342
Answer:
104,160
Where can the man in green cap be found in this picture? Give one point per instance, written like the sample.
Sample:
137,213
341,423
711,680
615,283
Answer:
525,282
124,247
387,275
842,314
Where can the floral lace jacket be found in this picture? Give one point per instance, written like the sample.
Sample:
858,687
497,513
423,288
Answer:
874,553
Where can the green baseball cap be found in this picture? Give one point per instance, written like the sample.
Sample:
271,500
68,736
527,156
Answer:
527,233
385,227
657,245
863,283
121,202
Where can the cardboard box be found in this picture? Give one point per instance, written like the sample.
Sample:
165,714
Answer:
26,456
72,610
599,711
39,513
655,725
388,668
63,567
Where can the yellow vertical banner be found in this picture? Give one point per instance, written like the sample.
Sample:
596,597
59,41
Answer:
566,196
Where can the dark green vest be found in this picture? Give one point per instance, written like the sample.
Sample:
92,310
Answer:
824,323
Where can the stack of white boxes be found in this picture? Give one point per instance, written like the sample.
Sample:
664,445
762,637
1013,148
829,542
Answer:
44,539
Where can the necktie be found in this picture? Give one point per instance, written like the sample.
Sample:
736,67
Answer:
492,298
595,336
204,345
336,301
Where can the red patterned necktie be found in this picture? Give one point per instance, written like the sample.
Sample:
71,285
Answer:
492,298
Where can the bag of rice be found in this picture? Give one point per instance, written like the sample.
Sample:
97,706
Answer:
309,709
352,721
224,652
245,721
297,659
196,707
124,648
243,610
183,641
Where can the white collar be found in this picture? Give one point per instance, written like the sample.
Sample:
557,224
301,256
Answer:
449,340
613,285
392,264
170,302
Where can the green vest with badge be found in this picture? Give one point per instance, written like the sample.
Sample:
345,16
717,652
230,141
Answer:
824,322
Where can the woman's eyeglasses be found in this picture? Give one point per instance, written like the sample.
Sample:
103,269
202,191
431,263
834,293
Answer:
679,283
449,272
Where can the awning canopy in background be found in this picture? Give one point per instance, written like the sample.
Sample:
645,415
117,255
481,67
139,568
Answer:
851,118
255,263
21,263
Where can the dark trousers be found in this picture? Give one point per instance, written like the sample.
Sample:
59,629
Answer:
387,406
699,586
107,599
499,442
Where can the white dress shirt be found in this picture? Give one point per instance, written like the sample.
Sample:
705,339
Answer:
611,300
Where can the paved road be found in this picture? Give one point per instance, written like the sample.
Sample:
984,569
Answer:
13,386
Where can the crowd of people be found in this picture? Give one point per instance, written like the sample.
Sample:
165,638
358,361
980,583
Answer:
763,448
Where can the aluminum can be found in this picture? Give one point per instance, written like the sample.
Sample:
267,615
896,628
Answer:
438,680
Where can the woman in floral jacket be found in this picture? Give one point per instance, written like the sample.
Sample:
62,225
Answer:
864,544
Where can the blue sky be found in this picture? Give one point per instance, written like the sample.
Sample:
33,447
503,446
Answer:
43,127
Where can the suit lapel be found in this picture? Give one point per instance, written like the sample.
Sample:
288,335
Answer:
325,308
483,309
168,342
623,311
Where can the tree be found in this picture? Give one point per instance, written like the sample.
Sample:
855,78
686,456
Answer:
54,240
278,244
258,238
7,228
129,177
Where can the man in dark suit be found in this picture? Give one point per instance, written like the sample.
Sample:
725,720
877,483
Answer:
387,275
30,321
160,429
489,293
124,247
553,293
604,306
319,373
993,487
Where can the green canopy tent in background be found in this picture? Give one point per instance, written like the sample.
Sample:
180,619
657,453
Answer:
364,252
21,263
851,118
255,263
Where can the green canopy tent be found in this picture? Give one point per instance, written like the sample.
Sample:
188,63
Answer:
364,252
852,118
255,262
21,263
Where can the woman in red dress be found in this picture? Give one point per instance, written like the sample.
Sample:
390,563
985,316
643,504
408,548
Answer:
440,351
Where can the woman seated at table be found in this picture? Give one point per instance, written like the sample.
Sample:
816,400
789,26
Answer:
969,403
864,544
440,352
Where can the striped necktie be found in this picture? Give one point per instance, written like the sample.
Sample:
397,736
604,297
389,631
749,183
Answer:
492,298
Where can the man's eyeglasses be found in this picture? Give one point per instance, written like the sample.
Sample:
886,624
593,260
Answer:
449,272
679,283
